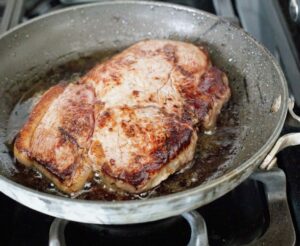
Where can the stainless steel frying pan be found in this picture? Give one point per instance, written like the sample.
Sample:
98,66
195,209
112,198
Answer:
258,86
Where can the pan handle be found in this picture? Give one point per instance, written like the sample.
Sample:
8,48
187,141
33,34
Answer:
291,105
287,140
57,232
198,229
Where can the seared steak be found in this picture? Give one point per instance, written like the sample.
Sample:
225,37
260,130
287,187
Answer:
133,119
57,134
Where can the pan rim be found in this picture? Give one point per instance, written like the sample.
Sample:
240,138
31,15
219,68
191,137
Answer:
192,191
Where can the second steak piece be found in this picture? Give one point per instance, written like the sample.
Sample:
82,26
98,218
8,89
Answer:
57,134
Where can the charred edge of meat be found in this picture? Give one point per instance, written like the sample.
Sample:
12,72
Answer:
200,100
60,175
177,141
212,82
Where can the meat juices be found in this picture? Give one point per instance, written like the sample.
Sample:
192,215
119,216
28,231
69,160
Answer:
133,119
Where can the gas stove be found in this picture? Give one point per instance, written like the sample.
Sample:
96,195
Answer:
263,210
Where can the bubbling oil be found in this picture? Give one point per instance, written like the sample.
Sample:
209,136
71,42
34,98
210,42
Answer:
214,152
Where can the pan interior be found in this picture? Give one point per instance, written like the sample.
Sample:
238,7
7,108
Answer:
213,154
35,57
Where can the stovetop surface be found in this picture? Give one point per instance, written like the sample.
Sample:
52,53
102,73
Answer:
237,218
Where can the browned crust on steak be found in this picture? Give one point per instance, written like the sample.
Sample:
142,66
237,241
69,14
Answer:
70,184
179,137
214,83
205,99
146,179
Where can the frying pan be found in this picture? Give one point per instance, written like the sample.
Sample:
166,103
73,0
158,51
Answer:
256,81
